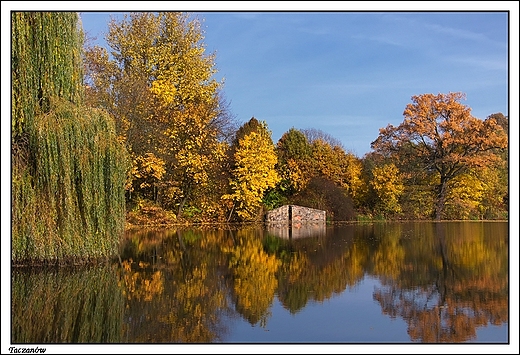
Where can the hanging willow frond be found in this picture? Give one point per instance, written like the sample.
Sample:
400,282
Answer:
68,168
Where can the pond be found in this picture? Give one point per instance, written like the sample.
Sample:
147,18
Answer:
364,283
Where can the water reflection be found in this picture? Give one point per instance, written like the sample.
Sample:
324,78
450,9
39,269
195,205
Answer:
66,306
445,280
297,229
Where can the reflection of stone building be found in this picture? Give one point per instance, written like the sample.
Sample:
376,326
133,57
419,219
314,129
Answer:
298,230
291,221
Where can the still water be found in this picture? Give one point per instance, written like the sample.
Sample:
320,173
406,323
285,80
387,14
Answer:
364,283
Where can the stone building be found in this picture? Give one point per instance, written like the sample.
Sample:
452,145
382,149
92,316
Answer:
291,221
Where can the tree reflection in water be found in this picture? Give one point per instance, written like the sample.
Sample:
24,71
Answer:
445,280
454,282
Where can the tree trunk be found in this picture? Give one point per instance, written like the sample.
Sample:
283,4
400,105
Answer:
186,192
230,213
181,206
441,199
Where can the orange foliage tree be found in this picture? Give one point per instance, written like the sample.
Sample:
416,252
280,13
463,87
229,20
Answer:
441,137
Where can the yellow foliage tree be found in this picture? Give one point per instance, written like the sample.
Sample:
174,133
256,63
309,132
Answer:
388,187
147,171
253,172
333,163
160,86
471,195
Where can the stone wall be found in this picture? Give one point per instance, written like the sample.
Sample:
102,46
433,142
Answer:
278,215
293,213
305,214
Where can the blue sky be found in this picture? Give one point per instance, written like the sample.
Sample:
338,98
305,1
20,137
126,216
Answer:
350,73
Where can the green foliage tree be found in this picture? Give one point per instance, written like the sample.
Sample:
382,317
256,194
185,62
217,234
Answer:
45,63
294,157
68,170
313,157
441,137
293,145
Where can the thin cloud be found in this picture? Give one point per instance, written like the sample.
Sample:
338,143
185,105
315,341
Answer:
487,64
380,39
462,34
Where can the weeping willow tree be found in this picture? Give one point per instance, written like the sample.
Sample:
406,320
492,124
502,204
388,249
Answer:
68,171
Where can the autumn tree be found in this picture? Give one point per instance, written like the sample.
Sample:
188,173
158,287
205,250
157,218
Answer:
322,193
309,161
333,163
502,121
388,186
253,169
440,135
477,194
496,198
158,82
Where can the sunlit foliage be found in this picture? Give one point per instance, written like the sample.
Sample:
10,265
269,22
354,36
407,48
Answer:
253,171
311,172
146,173
158,83
388,187
443,138
476,194
294,161
333,163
